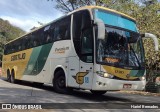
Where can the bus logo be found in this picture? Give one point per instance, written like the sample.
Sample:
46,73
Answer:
61,50
80,77
18,57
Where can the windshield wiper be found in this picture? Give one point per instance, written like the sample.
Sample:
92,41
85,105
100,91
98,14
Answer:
135,56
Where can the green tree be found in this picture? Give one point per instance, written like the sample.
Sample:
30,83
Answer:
70,5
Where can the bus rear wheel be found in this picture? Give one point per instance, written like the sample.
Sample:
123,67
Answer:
98,92
8,76
59,83
13,77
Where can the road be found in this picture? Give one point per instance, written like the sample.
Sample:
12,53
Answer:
25,92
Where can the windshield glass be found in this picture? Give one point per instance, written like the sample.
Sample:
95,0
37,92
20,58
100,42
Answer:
120,48
122,45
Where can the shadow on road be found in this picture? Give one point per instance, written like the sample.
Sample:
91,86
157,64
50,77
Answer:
86,95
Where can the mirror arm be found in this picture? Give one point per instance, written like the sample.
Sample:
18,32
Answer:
149,35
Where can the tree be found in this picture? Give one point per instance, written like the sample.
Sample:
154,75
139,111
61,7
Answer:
70,5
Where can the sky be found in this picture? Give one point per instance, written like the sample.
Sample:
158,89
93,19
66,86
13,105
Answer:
27,13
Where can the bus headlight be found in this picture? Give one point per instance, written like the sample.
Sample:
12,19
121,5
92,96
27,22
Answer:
143,78
104,74
107,75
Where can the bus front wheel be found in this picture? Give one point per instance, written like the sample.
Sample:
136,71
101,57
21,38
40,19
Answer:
59,82
98,92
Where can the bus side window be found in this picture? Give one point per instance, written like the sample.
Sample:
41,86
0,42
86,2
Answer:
57,33
40,36
47,37
66,27
62,29
51,32
23,44
77,22
27,42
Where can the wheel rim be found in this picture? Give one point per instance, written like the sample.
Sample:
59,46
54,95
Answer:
61,82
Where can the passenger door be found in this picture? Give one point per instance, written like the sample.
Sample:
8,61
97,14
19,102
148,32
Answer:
86,63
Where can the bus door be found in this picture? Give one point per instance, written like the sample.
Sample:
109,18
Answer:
86,59
81,66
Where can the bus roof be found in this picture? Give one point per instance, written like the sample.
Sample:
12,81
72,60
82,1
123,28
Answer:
82,8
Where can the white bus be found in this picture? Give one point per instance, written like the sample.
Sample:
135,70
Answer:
92,48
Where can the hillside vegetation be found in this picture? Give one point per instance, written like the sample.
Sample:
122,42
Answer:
7,33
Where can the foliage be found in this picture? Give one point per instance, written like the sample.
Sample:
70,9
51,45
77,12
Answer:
7,33
70,5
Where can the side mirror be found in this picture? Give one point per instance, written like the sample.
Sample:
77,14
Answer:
101,28
149,35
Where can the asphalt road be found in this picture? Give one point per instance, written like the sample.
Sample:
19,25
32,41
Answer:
25,92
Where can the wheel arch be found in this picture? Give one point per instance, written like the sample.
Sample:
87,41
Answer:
58,68
14,70
9,71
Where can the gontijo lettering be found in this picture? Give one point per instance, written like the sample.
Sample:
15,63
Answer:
18,57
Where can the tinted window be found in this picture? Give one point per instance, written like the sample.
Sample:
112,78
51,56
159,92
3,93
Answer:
77,23
62,29
59,30
83,35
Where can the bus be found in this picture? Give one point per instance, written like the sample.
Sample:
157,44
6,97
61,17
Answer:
92,48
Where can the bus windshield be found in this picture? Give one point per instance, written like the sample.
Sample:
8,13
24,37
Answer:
118,48
122,45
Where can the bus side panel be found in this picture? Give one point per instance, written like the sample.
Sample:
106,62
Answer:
17,62
38,59
59,55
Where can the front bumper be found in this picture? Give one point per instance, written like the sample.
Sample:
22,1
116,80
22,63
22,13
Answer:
101,83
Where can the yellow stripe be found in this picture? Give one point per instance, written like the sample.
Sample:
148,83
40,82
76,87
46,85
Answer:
18,65
119,72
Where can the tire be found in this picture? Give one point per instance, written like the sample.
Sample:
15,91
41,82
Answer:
59,83
98,92
13,77
8,76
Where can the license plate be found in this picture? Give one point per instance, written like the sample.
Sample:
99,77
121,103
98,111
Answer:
127,86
